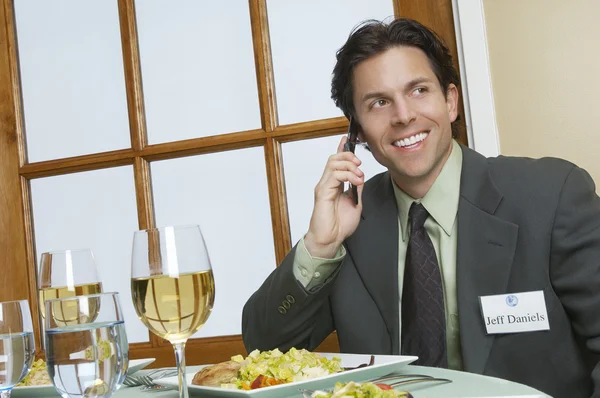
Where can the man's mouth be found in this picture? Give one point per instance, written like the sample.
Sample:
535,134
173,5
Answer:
411,141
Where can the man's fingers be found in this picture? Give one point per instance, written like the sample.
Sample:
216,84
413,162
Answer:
344,156
344,165
336,180
341,167
347,176
341,144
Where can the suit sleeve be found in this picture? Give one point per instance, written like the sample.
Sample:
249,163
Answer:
283,314
575,261
312,271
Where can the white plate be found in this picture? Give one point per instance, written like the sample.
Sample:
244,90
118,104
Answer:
138,364
384,364
48,390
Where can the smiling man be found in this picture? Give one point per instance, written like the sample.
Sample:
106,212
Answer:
447,247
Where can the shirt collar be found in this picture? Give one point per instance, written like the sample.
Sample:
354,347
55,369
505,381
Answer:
441,201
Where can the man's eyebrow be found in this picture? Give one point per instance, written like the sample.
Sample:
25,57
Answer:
417,81
409,85
374,94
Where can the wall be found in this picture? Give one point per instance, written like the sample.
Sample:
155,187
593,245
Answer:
545,68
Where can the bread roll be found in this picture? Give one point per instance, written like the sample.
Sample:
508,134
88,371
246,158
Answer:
215,375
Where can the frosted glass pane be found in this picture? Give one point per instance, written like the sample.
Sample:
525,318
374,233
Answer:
305,36
302,176
197,68
226,194
72,77
95,210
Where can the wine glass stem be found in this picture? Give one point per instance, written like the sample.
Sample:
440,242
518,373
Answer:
180,362
5,394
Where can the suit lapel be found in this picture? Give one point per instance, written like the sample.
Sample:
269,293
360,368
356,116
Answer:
374,250
486,247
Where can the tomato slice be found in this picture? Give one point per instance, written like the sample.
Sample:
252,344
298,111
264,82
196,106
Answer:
264,381
383,386
257,383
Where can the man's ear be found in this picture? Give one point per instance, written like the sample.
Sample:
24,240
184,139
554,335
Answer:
452,102
359,129
361,136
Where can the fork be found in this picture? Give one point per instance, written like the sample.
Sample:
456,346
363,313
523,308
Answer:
397,376
148,379
154,388
130,381
419,380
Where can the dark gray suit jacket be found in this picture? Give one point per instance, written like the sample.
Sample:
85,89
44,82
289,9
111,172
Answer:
523,225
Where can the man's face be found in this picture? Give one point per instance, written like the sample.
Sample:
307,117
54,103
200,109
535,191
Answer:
404,115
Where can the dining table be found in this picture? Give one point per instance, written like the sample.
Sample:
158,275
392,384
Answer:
463,385
358,366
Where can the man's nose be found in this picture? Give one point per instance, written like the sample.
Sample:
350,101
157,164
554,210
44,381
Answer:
403,112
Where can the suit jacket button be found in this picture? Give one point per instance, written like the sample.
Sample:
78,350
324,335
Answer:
286,304
290,298
281,310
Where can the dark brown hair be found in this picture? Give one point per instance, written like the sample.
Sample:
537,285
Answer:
372,38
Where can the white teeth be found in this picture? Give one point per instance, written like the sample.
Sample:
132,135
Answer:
411,140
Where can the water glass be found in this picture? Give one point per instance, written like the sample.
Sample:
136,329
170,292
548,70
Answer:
17,347
89,356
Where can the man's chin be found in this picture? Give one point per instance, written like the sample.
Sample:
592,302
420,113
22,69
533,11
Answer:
409,177
412,174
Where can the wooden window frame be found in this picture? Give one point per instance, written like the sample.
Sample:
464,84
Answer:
17,251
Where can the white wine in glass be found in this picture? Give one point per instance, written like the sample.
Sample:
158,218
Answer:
68,273
184,306
172,286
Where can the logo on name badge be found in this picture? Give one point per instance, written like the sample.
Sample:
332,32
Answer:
512,300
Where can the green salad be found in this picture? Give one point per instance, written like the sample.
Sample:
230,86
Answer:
294,365
360,390
37,376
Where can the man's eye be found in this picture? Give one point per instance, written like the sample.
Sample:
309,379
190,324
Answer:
420,90
379,103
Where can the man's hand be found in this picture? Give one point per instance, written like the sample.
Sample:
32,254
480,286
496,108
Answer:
335,216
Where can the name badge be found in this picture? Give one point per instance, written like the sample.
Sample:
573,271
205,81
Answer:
514,313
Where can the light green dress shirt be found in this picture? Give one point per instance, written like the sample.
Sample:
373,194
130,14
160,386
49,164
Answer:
441,201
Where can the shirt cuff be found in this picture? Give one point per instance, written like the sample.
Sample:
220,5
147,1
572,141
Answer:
312,271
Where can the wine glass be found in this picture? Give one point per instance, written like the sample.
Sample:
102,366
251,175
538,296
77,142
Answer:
67,273
89,356
172,286
17,347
